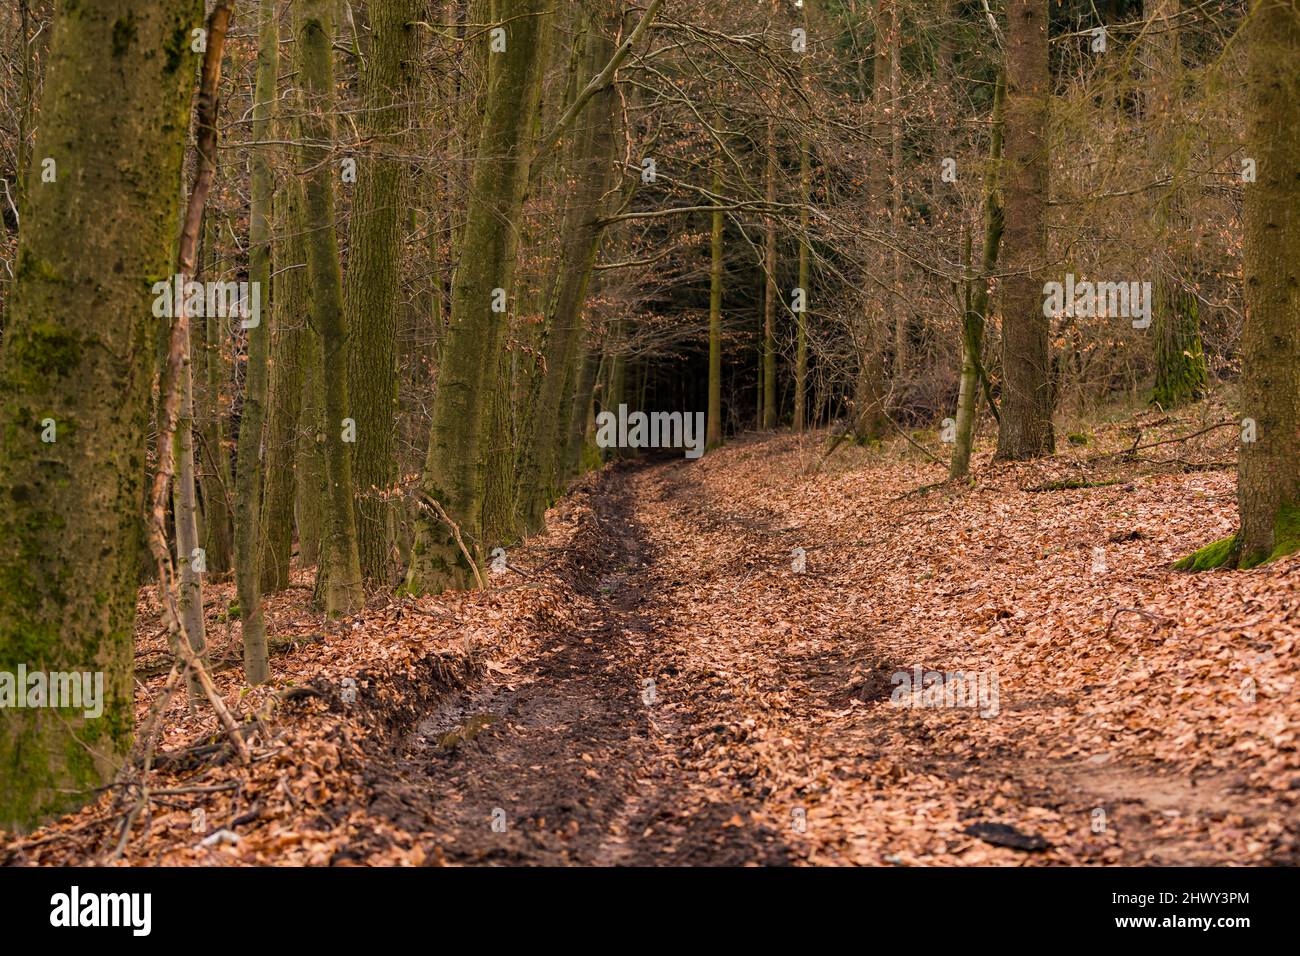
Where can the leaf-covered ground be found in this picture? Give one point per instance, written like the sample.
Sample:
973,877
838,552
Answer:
696,664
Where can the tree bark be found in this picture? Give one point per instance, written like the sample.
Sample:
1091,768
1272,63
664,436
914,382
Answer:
214,481
388,86
1027,400
291,343
454,467
590,160
977,296
96,238
1181,373
770,292
1268,481
248,474
713,429
344,593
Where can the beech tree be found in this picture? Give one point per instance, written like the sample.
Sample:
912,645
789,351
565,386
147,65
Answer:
1268,482
1025,428
452,488
102,203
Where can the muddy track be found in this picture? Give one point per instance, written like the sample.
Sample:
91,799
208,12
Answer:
574,761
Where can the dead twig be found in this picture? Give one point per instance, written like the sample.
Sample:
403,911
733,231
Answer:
427,502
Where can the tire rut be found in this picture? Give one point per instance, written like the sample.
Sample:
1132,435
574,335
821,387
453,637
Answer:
575,761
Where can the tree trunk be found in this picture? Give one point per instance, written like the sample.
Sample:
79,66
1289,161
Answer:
587,369
590,160
248,474
344,593
214,481
1181,373
388,86
309,475
770,292
713,429
1268,484
185,514
453,472
977,296
291,343
801,317
1027,400
95,238
1268,470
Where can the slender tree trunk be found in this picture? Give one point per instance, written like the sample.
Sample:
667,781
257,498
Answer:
185,512
453,473
1027,400
344,593
248,475
902,344
96,237
713,429
291,342
1181,374
869,420
770,289
801,317
977,296
388,86
214,480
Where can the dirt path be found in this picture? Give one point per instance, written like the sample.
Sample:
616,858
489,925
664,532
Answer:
577,761
722,706
696,665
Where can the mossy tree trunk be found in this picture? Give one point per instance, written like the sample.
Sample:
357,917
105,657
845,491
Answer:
590,159
1268,482
120,76
388,88
1025,430
291,342
587,371
340,564
455,463
309,473
977,297
1181,373
248,475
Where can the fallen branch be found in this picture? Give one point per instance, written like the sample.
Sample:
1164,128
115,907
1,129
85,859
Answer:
426,502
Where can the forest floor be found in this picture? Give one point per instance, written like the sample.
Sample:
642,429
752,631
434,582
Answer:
656,680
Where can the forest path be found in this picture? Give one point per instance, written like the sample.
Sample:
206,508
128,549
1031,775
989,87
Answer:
577,759
697,664
772,608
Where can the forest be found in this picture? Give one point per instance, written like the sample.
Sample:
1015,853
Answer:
650,432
